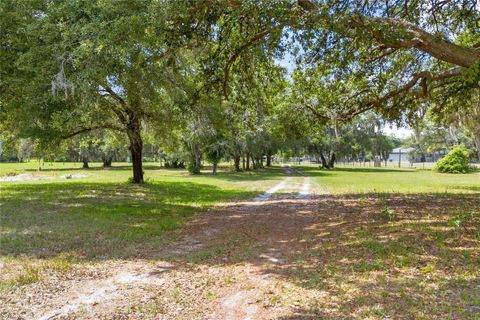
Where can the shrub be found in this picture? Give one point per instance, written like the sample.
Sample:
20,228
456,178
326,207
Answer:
456,161
193,168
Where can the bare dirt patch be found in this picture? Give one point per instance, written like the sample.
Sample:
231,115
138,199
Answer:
25,177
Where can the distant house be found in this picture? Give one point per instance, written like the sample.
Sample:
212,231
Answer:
400,153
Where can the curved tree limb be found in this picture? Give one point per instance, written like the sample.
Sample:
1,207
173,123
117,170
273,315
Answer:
400,34
319,115
407,35
421,78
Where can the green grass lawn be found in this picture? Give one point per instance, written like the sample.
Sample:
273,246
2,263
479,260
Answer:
390,180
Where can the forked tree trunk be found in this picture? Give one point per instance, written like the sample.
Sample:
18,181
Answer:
136,146
324,161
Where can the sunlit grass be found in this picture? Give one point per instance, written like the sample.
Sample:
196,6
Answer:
354,180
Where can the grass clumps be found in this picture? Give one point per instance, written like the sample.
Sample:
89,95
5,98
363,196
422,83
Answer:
388,213
18,272
456,161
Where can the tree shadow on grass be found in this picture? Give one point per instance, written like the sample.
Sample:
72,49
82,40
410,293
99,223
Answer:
99,220
342,254
355,258
400,298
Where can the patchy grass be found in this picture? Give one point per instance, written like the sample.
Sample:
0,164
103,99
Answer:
360,264
102,217
23,270
385,244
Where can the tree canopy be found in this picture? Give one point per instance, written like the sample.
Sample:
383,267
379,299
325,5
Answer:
187,71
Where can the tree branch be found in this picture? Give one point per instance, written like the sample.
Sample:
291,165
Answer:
422,77
121,116
237,53
400,34
114,95
84,130
386,52
316,113
406,35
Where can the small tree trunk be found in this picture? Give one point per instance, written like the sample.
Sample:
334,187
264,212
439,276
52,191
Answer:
215,164
476,143
236,160
85,163
254,163
107,162
247,166
195,165
331,163
136,146
269,159
198,160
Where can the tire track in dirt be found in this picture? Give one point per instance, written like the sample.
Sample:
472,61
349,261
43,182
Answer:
268,194
242,305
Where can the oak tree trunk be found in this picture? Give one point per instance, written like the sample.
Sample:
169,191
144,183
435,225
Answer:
236,161
215,165
331,163
85,163
136,146
107,162
324,161
269,159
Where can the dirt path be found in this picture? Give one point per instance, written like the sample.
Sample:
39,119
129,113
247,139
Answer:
242,233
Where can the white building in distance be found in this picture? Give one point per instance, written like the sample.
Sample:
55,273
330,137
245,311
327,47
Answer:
400,154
